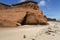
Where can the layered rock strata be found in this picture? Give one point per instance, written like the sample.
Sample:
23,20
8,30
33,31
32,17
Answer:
22,13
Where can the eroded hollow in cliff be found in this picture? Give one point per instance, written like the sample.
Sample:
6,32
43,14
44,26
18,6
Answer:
24,19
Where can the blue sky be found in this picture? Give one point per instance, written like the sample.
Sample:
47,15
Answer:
51,8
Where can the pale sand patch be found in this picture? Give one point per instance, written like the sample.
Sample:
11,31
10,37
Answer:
32,32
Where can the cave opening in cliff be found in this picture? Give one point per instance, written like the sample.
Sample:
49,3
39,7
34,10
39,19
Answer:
24,19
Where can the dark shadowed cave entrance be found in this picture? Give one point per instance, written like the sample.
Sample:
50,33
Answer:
24,19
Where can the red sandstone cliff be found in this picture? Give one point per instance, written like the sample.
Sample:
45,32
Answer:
23,13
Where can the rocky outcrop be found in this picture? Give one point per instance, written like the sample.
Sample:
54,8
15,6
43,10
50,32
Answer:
50,19
22,13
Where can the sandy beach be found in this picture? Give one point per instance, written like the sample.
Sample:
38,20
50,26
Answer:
32,32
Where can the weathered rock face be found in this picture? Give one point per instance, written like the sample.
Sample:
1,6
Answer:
3,6
22,13
36,17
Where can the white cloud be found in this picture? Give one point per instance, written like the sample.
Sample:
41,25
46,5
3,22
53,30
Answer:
42,3
22,0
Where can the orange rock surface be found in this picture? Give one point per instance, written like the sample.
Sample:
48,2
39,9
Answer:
22,13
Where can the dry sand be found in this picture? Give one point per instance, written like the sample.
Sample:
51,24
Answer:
32,32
